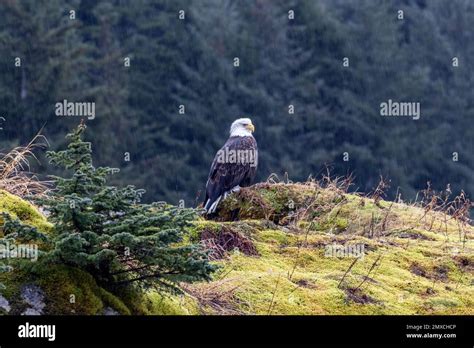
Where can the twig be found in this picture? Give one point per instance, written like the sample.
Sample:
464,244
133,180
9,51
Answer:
347,271
370,270
273,295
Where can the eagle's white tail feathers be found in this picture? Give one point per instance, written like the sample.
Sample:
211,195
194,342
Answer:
212,209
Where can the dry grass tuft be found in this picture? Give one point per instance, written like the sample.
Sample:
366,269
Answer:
226,240
219,296
15,175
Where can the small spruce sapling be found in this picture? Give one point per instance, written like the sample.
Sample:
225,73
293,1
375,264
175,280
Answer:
108,232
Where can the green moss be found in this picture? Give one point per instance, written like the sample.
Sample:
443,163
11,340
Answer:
165,304
66,290
61,283
113,301
194,232
333,225
22,210
293,275
276,237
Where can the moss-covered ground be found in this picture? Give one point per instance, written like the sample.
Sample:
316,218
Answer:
413,262
273,244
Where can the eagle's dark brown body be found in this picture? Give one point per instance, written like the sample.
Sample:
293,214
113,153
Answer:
225,175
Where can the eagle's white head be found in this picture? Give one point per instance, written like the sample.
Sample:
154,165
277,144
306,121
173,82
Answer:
242,127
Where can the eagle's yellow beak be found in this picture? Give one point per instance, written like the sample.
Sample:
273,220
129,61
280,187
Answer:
250,127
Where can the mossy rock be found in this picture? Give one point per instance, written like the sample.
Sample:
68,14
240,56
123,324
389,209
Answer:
64,290
266,201
26,212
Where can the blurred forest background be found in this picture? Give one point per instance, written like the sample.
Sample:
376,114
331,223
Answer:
283,62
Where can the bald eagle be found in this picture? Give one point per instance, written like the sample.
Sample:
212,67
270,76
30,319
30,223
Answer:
234,165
